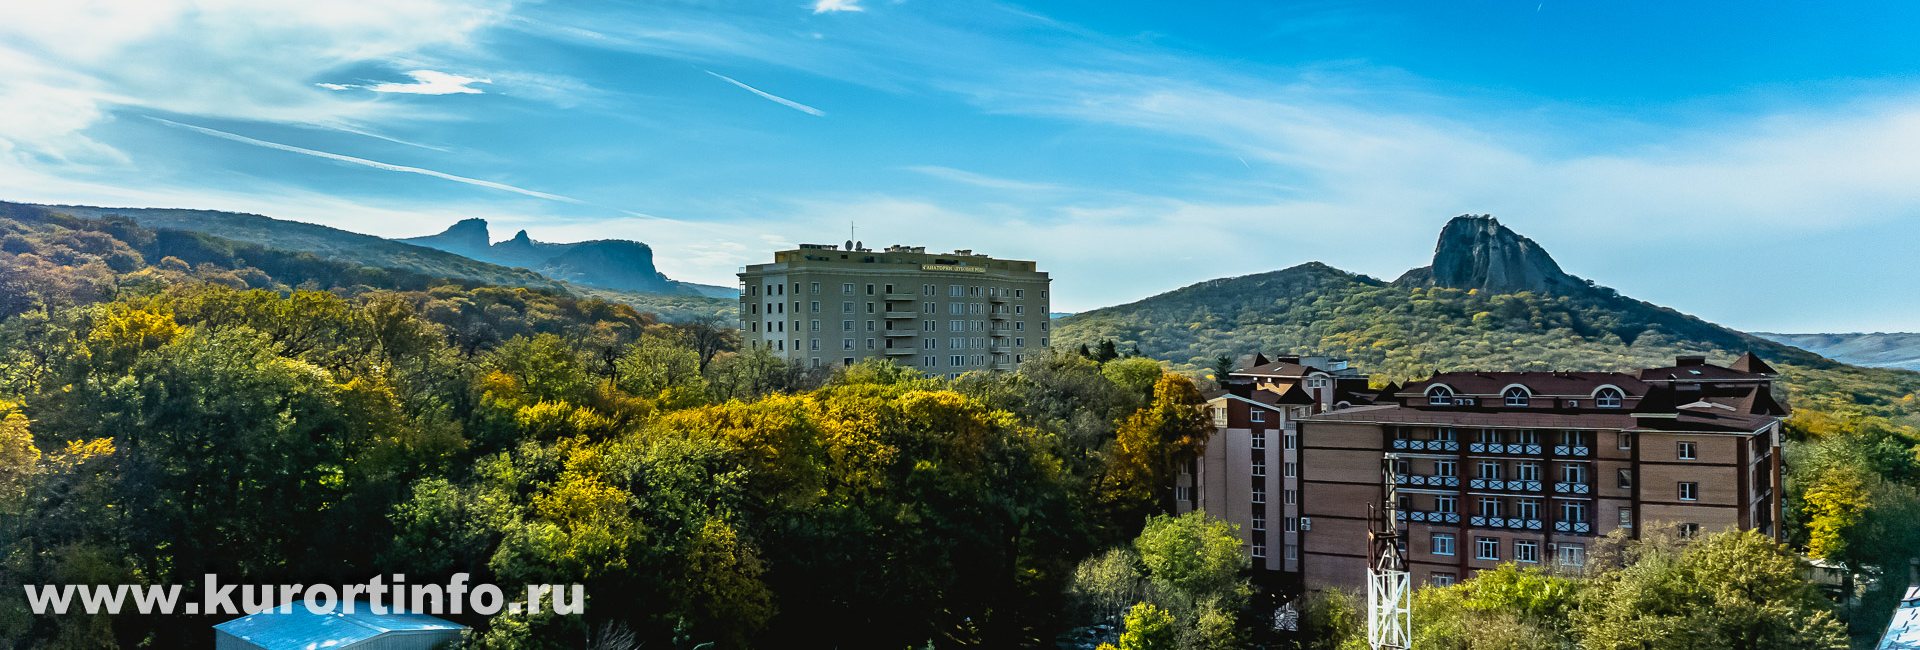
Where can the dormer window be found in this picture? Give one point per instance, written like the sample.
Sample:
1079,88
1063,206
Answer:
1440,396
1607,398
1516,396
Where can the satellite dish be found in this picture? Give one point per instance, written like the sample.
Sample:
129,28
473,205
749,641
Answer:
849,244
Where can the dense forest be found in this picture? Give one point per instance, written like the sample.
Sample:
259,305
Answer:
175,404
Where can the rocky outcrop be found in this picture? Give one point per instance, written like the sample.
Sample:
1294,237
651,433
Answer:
608,263
1476,252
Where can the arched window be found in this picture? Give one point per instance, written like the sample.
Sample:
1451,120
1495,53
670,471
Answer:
1607,398
1440,396
1516,396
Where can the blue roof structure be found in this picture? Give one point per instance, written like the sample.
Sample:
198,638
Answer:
1903,632
300,629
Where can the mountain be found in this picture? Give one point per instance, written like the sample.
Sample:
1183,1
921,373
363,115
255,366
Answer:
1476,252
1876,349
1492,300
680,300
606,263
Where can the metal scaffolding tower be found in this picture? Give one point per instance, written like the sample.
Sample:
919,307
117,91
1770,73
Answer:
1389,586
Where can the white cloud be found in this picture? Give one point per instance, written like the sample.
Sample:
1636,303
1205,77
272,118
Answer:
249,60
367,163
771,97
425,82
836,6
982,180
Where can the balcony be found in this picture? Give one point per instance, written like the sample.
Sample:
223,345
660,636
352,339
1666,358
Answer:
1572,488
902,351
1576,451
1426,445
1575,527
895,297
1004,365
1497,485
1000,316
1514,523
900,333
1416,480
1429,517
1000,349
893,315
1503,448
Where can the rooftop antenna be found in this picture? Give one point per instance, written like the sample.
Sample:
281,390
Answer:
1389,588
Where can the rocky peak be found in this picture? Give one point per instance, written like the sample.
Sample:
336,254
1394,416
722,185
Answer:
521,239
463,237
1476,252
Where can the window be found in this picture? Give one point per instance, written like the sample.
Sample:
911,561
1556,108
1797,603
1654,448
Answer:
1626,517
1260,441
1625,479
1626,440
1293,552
1019,293
1689,491
1293,440
846,308
1574,511
1293,525
1489,507
1292,496
846,289
1488,469
1258,415
1528,508
1259,495
869,289
846,326
1490,436
813,287
1526,550
1516,396
1444,435
1443,468
814,306
1573,472
1688,450
1259,467
1444,505
1440,396
1528,471
929,290
1486,548
846,344
1185,493
1574,555
1259,551
1443,579
1293,469
1527,437
813,344
1607,398
1689,530
1259,523
1443,543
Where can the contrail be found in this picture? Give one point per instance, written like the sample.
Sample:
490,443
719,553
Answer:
772,97
368,163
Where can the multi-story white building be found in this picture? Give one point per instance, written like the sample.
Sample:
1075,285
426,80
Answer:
944,313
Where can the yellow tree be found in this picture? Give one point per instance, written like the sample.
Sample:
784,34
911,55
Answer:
1153,444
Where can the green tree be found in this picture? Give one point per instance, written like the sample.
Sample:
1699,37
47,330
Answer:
1724,590
1149,627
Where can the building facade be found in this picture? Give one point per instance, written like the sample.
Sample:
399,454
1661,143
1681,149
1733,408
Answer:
1531,467
1249,472
944,313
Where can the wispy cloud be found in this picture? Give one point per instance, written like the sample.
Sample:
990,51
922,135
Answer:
982,180
771,97
836,6
367,163
425,82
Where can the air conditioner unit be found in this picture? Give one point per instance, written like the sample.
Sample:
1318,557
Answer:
1306,524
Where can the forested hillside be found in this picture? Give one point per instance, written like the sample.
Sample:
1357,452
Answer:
368,251
174,405
1875,349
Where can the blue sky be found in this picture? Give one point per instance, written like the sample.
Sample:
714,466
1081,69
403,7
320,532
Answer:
1757,168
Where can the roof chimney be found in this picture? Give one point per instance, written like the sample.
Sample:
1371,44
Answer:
1690,360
